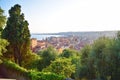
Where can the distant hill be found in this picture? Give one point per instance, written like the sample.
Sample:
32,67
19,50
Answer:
97,33
83,34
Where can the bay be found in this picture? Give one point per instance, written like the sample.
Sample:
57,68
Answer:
41,36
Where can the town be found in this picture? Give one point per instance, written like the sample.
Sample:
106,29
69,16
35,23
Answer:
72,41
60,43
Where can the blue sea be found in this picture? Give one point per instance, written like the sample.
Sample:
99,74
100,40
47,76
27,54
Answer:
41,37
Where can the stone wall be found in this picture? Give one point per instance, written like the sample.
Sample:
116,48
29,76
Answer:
10,74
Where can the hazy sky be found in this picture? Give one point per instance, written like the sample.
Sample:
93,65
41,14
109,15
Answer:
46,16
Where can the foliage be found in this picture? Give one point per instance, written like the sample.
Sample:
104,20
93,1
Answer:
74,56
3,44
113,60
13,67
85,67
44,76
2,20
31,74
61,66
67,53
84,54
32,61
47,55
101,60
17,33
100,52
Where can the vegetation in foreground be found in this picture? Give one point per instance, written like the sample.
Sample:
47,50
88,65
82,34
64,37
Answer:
100,60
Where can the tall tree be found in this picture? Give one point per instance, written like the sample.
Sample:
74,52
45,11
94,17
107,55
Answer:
86,68
100,52
17,33
114,60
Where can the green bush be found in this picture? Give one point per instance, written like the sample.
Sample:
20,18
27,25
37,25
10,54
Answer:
34,75
61,66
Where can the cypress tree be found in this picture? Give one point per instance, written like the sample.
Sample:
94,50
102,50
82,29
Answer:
18,35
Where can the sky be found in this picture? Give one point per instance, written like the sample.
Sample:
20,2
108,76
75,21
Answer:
51,16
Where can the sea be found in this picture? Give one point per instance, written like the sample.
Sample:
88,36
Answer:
43,36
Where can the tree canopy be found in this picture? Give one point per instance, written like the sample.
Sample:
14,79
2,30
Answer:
61,66
47,55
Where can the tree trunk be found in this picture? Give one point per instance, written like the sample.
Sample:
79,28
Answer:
19,57
15,55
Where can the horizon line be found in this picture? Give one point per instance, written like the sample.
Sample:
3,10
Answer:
72,31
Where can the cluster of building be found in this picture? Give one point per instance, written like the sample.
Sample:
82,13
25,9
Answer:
60,43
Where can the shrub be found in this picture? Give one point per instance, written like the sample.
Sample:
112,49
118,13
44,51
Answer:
34,75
